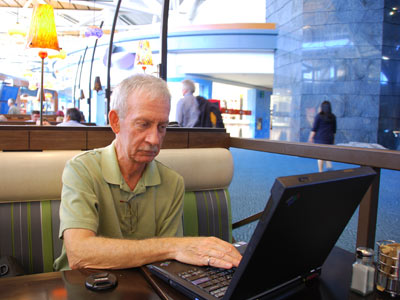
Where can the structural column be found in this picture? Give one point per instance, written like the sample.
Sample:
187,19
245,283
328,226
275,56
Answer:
344,51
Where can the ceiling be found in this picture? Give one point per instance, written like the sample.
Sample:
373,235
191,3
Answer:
75,13
264,81
73,16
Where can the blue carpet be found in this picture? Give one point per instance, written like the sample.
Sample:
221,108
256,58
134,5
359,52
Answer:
255,172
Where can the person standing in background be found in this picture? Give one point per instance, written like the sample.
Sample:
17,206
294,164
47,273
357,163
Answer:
13,110
324,130
187,109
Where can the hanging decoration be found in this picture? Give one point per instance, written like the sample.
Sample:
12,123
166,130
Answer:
17,28
93,31
97,84
144,55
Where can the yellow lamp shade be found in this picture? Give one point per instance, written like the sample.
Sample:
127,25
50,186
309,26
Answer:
32,86
42,31
62,55
143,54
17,29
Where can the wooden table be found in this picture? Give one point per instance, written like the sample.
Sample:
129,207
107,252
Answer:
135,284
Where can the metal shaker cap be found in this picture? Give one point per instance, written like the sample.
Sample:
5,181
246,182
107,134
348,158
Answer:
364,252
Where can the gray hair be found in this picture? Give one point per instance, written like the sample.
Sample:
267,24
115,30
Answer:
154,87
188,85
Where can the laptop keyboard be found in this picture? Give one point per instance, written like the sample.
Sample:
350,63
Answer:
212,280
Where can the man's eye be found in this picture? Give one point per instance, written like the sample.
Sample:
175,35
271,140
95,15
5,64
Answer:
142,124
162,127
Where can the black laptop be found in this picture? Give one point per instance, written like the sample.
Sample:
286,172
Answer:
302,221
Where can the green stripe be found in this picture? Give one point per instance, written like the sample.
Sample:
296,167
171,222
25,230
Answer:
228,200
47,239
28,216
207,214
190,218
12,229
219,213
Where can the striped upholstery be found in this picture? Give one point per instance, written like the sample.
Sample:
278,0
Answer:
29,232
29,217
208,213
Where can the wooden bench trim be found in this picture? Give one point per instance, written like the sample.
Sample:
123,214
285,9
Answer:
34,138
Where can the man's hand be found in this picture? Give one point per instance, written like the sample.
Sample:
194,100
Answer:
207,251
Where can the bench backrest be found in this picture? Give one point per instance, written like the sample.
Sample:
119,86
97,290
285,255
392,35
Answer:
30,190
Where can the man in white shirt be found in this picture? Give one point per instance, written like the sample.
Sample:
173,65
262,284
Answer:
73,118
187,109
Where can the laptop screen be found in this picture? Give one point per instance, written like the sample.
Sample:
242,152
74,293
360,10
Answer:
303,219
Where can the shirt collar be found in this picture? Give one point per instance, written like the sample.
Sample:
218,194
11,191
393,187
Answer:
112,173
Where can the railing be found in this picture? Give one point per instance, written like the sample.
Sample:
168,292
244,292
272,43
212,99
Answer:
378,159
34,138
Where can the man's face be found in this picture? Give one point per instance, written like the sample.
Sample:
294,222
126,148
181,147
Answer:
143,128
35,117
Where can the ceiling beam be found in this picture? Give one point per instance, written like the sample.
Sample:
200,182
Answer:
128,6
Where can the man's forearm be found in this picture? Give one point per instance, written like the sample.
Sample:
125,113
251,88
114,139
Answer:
106,253
85,250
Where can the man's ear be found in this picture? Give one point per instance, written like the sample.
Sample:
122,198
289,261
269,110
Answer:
114,121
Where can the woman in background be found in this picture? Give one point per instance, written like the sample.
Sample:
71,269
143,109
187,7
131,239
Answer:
324,130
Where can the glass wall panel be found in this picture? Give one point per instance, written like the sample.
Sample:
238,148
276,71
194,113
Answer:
225,48
256,172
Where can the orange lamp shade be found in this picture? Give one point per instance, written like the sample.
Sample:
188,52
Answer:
42,31
143,54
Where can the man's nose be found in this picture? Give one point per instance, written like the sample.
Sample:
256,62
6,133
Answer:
153,136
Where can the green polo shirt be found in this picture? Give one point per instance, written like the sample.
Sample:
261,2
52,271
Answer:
95,196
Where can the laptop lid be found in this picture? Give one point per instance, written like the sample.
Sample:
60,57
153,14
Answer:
301,223
303,219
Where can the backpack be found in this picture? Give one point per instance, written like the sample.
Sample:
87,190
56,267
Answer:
210,115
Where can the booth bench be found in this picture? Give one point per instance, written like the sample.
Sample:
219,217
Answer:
30,190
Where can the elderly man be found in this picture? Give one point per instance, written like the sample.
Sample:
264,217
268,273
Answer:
120,208
13,110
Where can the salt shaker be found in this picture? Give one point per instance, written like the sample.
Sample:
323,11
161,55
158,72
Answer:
362,280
